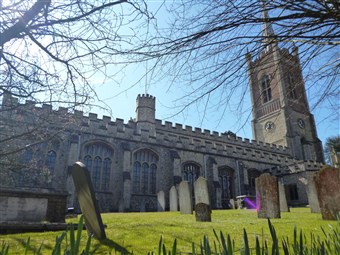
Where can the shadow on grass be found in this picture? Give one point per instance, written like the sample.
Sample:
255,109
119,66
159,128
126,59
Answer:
112,244
29,247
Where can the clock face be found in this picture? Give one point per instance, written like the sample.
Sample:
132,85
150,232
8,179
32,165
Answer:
301,123
269,126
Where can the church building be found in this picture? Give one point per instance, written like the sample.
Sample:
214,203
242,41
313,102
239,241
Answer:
131,162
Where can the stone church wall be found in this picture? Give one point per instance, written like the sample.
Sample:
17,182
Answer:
174,144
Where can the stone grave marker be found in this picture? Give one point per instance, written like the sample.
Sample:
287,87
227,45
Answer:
202,212
267,196
327,183
202,200
185,198
173,199
232,204
161,201
312,194
283,200
87,200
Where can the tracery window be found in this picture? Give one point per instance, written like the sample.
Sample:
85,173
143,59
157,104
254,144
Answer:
226,179
41,156
266,90
190,172
98,160
144,172
252,175
51,160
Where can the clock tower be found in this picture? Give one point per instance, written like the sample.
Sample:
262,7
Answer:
280,110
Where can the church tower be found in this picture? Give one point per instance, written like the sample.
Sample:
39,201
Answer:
281,113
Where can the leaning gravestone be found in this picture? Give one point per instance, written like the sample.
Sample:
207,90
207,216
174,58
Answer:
312,194
87,200
267,196
202,200
161,201
173,199
283,200
327,183
185,198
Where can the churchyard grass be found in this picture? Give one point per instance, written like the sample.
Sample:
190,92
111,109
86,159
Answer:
140,232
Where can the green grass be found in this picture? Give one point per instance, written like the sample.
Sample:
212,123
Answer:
141,232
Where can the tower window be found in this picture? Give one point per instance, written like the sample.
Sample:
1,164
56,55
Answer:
291,87
266,89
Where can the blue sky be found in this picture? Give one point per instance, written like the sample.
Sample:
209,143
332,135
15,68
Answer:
120,95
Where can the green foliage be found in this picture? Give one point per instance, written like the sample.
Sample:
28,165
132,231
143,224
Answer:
140,234
71,246
330,246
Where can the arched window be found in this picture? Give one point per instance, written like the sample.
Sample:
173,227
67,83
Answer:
266,90
51,160
97,165
144,172
106,173
28,155
136,177
100,169
252,175
41,156
226,179
190,172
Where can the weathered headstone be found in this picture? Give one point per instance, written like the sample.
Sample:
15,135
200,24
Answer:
202,200
87,200
232,204
201,191
203,212
283,200
312,194
185,198
327,183
267,197
173,197
161,201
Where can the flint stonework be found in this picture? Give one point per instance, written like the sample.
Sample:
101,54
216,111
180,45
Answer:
87,200
185,198
267,197
327,183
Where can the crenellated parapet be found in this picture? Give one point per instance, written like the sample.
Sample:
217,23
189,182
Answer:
167,134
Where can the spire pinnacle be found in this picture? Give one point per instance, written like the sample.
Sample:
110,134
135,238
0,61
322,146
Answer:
267,29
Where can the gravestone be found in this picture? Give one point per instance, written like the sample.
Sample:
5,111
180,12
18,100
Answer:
173,199
161,201
267,196
202,200
327,183
201,191
185,198
232,204
312,194
283,200
202,212
87,200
